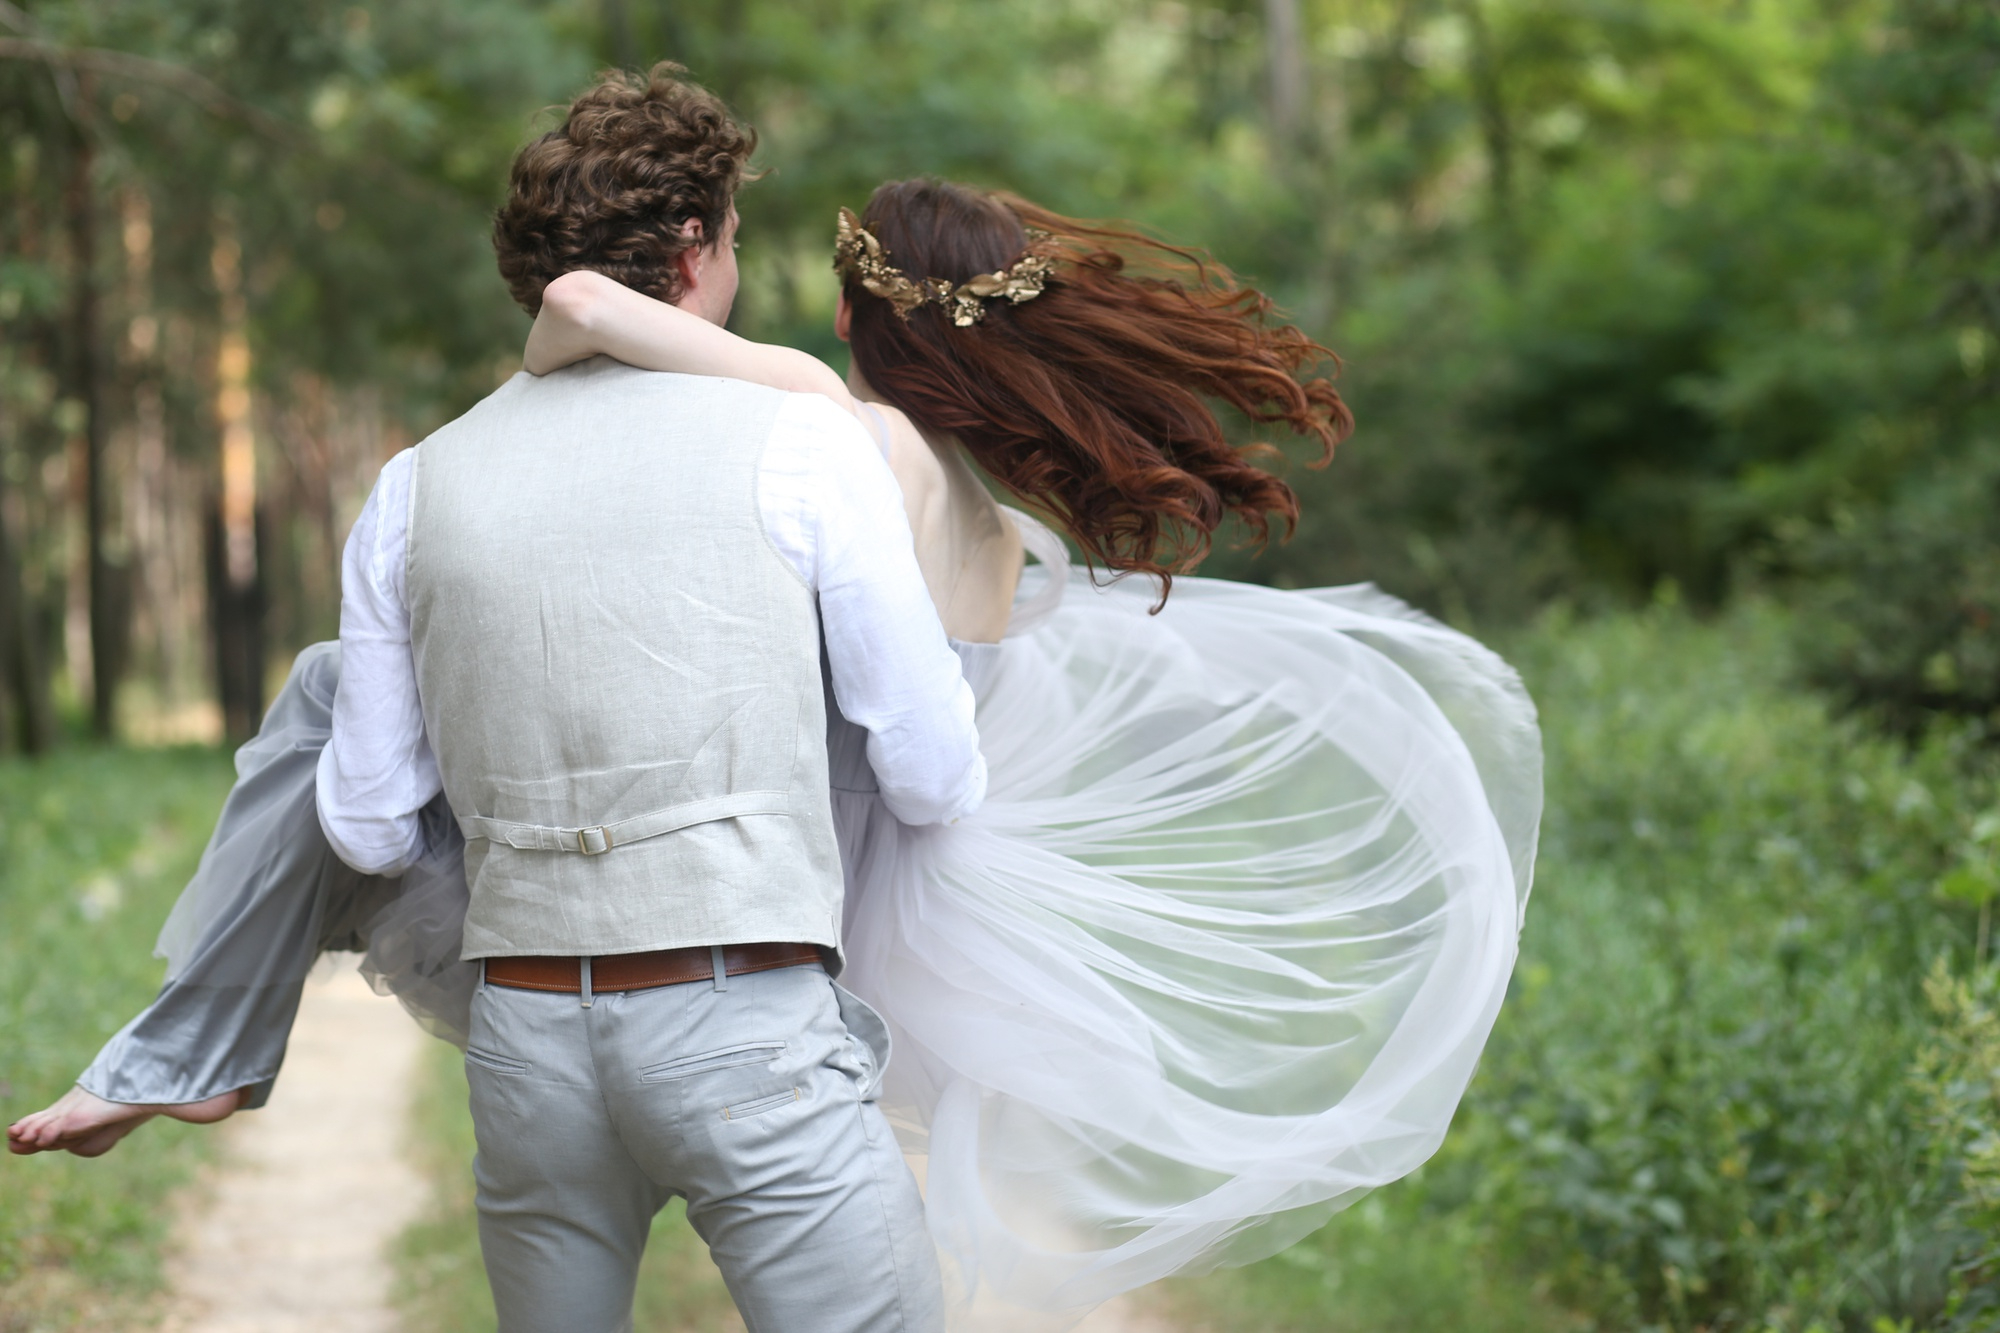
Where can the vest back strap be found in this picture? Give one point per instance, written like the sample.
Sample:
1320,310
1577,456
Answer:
598,839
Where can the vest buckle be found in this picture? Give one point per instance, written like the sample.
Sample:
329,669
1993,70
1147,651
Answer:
593,841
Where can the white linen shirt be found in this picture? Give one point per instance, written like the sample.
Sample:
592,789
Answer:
833,511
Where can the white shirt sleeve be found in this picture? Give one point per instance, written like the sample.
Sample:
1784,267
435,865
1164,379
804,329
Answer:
834,511
377,770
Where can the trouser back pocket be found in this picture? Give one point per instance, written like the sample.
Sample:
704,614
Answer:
727,1057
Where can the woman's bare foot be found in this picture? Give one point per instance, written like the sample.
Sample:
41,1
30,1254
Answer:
87,1125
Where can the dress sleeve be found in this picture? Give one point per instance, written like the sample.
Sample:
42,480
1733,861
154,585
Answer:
377,770
834,511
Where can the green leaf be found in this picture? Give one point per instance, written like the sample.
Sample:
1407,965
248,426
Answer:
1974,884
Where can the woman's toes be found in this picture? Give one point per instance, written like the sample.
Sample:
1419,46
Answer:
40,1132
25,1135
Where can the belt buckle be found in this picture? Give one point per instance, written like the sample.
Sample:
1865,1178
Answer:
602,833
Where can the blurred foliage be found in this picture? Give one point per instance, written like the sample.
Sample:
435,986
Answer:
1907,598
1958,1080
352,151
1685,291
1746,1078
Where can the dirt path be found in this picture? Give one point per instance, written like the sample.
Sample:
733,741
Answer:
1123,1316
290,1233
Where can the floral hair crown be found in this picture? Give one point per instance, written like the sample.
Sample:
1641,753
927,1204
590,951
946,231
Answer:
858,255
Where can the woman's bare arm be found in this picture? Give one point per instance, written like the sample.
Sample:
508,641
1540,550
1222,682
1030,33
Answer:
587,314
970,555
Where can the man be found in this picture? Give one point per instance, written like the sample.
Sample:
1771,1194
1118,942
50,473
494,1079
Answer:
590,611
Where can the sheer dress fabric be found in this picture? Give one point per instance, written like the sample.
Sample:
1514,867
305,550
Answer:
1218,954
1216,957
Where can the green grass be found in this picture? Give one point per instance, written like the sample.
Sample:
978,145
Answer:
94,846
441,1286
1385,1264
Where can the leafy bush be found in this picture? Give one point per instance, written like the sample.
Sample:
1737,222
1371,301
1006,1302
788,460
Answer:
1697,1114
1957,1078
1907,602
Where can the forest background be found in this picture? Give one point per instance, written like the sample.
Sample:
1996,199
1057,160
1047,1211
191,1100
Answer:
1672,329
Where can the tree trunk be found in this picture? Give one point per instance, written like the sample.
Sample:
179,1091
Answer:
624,36
236,610
88,381
1497,130
237,578
1285,60
23,675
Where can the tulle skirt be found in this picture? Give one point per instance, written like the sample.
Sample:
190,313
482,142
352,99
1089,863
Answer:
1220,951
1216,957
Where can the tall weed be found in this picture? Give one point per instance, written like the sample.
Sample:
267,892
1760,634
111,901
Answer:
1957,1080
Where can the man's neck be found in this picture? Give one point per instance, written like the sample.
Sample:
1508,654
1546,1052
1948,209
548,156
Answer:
693,304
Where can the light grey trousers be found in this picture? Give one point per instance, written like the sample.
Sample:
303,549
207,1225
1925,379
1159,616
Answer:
753,1102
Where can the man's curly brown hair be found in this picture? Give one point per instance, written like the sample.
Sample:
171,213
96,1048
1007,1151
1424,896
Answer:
614,186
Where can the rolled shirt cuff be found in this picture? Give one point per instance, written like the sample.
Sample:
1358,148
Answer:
372,844
945,804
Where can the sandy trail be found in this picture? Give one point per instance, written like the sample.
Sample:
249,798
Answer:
1123,1316
291,1232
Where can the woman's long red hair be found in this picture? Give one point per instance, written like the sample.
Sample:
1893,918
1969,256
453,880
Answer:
1091,401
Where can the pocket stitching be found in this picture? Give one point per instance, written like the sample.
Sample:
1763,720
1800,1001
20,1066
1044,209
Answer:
762,1052
498,1064
744,1110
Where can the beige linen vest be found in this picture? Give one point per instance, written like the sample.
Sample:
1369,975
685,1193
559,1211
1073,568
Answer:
619,673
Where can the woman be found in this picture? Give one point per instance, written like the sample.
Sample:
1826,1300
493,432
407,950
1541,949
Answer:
1219,952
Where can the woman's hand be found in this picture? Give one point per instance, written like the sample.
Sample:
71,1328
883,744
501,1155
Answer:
566,330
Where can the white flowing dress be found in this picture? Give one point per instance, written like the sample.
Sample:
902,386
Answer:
1216,957
1219,952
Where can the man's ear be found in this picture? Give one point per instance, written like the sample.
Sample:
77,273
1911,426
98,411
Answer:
688,262
843,318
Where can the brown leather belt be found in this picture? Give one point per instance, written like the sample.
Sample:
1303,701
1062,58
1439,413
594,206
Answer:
643,971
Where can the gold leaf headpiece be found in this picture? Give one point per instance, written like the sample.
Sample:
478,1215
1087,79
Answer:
858,255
